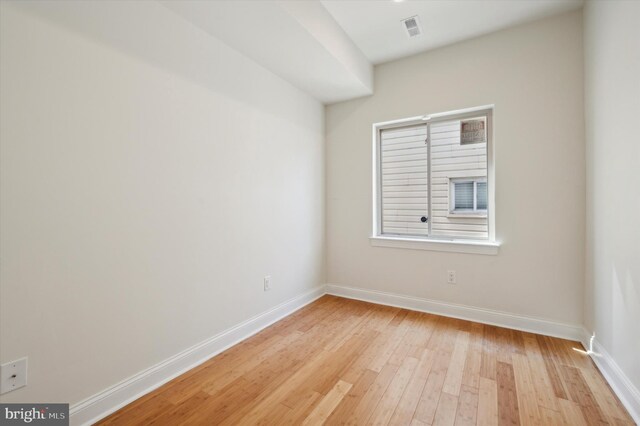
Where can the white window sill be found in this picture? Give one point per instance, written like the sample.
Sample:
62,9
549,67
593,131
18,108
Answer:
467,215
456,246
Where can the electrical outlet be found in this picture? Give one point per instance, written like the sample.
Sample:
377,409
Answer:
267,283
451,277
13,375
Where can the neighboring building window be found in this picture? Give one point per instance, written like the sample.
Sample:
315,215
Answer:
468,196
431,176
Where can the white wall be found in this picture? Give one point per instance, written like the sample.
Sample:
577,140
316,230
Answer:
612,106
533,75
144,197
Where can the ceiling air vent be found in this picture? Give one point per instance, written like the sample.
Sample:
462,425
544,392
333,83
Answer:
412,26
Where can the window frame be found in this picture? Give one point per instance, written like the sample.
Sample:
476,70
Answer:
475,212
487,245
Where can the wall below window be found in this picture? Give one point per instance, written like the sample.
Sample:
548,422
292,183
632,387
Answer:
145,193
533,76
612,101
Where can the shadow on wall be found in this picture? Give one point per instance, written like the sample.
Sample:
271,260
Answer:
169,42
625,298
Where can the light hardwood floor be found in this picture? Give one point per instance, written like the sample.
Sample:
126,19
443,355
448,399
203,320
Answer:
340,361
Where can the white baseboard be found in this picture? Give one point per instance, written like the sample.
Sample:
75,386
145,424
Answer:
628,394
619,382
470,313
106,402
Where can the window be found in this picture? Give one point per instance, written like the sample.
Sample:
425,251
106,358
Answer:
433,177
468,196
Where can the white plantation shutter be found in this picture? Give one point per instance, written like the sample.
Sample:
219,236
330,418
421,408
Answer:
404,192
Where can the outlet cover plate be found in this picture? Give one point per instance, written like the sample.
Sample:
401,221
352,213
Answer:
267,283
13,375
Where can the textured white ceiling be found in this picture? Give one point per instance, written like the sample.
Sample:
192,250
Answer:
297,40
375,26
324,48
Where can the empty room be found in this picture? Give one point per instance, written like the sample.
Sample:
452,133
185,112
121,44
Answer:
307,212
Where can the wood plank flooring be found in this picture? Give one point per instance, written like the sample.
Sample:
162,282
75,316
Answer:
341,361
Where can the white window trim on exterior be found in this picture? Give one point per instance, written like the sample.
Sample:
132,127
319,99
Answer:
476,246
475,212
